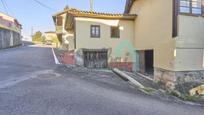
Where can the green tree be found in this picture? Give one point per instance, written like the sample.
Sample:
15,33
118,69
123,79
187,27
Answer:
43,39
37,37
56,41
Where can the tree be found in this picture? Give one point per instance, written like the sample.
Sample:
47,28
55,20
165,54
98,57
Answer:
43,39
37,37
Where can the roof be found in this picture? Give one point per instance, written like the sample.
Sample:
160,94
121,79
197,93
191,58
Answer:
9,23
52,32
9,18
128,5
89,14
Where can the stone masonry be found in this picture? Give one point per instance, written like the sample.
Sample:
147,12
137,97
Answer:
172,78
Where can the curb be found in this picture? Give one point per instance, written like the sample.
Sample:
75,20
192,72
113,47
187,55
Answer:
128,78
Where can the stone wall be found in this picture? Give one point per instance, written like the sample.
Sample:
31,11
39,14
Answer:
9,38
174,78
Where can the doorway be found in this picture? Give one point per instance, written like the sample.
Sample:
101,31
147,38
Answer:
146,62
149,62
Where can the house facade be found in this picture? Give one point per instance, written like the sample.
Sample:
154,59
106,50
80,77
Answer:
97,38
10,31
165,37
173,31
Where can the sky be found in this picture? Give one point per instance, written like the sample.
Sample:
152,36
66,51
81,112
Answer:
32,15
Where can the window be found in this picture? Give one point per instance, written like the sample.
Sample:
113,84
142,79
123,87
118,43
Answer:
115,32
191,7
95,31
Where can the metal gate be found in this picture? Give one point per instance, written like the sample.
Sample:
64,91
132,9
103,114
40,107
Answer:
95,58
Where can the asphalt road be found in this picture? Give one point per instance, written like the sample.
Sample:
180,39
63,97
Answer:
31,84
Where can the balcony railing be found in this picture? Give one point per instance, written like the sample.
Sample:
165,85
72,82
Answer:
192,7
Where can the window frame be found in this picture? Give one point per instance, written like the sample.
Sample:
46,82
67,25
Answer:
95,35
111,34
191,8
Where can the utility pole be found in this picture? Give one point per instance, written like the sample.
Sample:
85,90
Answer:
31,31
91,6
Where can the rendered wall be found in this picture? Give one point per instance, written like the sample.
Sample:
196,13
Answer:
190,43
9,38
153,30
67,37
189,60
191,33
83,39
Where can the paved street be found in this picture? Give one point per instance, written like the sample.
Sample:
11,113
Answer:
31,84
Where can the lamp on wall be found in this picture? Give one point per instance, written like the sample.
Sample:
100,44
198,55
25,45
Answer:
175,52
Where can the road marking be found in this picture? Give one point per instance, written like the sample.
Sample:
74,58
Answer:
55,57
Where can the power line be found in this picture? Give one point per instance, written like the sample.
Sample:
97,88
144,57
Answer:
9,10
4,6
44,5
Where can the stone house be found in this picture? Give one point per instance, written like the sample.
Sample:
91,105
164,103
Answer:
10,31
165,38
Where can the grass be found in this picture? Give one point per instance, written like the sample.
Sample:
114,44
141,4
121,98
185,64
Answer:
189,98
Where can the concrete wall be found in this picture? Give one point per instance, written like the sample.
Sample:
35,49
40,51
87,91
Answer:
83,39
191,33
189,59
153,30
190,44
9,38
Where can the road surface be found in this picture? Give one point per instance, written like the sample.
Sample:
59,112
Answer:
31,84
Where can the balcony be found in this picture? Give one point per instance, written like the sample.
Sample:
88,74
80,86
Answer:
59,29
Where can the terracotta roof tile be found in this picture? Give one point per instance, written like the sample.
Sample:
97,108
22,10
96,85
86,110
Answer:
79,13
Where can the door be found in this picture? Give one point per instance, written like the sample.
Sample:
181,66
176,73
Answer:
95,59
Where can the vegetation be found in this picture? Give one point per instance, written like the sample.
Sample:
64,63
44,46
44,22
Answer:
37,37
43,39
55,41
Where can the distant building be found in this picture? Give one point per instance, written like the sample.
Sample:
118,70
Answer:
50,35
51,38
10,31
